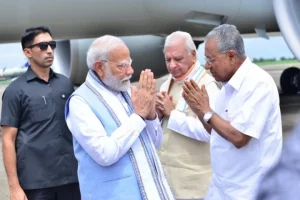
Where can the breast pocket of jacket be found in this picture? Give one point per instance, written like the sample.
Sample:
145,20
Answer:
40,109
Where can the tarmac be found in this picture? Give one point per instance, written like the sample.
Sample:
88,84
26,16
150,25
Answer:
290,110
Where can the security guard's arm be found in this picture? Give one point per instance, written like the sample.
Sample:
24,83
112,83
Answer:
10,162
10,120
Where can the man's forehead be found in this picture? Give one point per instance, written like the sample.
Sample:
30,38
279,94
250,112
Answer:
42,37
120,51
210,46
175,49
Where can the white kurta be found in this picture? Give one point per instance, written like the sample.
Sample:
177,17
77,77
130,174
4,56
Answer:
106,149
91,135
250,102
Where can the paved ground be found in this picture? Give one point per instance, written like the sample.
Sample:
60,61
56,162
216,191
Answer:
290,108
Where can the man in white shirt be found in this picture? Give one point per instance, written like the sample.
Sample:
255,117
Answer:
185,157
115,129
245,126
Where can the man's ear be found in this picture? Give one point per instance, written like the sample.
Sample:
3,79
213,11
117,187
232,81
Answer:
99,69
232,55
194,56
27,52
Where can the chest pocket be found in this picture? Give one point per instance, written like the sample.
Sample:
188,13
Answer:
40,109
61,98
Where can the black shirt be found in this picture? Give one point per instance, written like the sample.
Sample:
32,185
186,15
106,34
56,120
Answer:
44,148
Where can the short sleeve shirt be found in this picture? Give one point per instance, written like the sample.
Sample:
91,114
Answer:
44,149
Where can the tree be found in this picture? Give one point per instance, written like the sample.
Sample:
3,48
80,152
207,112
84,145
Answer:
282,58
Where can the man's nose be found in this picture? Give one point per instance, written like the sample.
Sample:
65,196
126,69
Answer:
172,64
207,66
129,70
49,49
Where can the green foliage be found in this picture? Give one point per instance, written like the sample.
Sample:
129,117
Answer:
268,61
6,82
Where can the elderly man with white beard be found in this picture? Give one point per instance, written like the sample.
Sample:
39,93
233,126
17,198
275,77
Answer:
115,128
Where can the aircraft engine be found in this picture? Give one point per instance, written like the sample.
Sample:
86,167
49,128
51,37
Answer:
288,19
146,53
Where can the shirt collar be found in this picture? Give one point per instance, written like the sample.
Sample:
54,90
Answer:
237,79
30,74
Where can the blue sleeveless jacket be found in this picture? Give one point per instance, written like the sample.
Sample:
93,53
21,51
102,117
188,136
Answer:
114,182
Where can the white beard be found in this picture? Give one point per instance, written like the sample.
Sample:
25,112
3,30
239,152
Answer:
114,83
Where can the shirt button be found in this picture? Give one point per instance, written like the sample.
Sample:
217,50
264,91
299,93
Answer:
57,118
54,100
48,85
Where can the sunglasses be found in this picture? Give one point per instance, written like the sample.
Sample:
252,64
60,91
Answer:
44,45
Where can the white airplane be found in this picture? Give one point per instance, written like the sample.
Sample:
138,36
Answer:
12,72
143,24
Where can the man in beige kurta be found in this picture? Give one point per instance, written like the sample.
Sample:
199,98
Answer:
185,159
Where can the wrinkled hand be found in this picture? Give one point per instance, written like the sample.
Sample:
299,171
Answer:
152,113
143,98
17,193
158,107
196,98
164,104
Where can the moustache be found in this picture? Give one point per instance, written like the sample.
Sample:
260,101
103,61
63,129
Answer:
126,78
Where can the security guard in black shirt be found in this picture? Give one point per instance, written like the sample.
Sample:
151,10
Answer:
37,145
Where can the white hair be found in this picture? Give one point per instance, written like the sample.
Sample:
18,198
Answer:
189,43
228,38
100,48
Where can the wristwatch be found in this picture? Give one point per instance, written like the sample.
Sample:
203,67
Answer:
207,116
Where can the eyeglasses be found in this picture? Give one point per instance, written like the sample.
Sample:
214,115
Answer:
122,65
44,45
210,60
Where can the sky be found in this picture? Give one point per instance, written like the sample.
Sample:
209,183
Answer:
11,55
275,47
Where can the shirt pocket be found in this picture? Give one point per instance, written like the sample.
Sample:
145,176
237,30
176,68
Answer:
61,99
40,109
